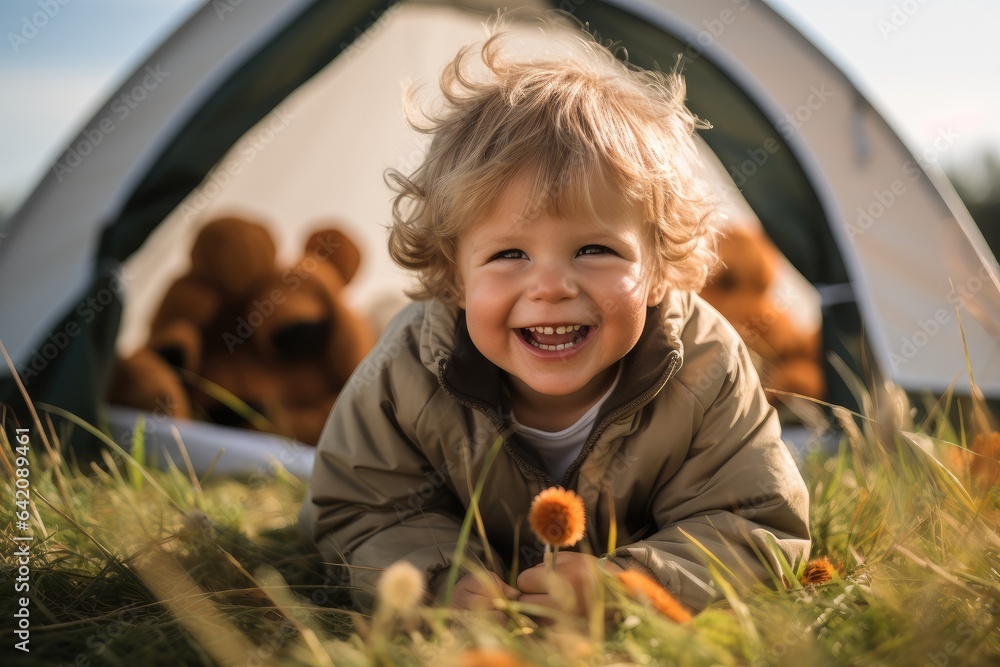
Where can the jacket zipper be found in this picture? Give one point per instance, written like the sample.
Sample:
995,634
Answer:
621,412
497,422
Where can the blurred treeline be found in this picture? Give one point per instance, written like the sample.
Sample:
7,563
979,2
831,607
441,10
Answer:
977,181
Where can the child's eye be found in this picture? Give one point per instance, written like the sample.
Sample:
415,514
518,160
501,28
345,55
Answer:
596,250
511,253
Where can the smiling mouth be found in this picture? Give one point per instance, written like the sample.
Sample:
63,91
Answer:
554,338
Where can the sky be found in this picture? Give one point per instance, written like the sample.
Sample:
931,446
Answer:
929,66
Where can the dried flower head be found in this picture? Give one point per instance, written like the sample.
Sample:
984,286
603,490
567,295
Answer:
557,517
639,585
401,587
818,571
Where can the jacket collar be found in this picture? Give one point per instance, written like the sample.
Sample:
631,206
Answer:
470,375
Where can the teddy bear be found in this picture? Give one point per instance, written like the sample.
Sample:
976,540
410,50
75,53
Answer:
789,357
240,341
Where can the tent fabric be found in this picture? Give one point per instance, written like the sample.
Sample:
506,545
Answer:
811,156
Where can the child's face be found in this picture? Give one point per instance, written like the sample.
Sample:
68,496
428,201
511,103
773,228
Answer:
556,302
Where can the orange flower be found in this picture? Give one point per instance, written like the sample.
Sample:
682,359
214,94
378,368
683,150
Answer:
638,585
818,571
985,467
557,517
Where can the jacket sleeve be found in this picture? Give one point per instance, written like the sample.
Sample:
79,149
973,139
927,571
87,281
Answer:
738,492
375,497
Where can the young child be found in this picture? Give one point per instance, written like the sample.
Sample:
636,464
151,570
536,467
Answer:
560,233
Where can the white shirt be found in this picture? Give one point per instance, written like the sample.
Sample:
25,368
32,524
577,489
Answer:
558,449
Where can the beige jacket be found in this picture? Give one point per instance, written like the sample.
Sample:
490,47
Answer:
686,445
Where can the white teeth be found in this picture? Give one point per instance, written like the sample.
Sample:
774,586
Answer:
556,330
562,329
552,348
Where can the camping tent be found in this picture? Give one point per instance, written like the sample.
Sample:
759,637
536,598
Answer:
291,110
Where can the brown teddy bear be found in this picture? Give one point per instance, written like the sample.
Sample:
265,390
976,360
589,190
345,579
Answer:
239,341
790,358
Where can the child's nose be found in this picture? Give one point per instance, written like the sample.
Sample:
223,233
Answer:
552,282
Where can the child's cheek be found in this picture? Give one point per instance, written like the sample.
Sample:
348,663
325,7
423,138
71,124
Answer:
485,300
630,286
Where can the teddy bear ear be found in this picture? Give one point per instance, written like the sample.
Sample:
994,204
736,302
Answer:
334,246
233,255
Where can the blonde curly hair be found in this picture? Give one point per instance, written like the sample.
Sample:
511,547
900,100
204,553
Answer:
565,120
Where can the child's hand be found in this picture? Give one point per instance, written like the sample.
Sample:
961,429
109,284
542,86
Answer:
476,593
569,587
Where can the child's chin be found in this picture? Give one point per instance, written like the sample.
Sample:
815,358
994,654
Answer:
555,386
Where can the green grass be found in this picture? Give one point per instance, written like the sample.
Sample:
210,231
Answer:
134,566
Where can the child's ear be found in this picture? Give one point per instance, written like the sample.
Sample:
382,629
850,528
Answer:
656,293
457,292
